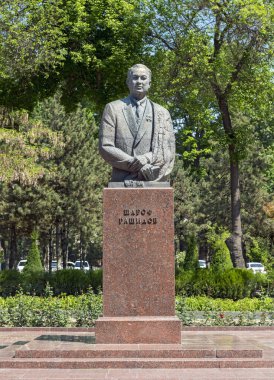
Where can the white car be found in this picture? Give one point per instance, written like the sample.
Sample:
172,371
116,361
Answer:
79,264
55,266
21,265
256,267
202,264
70,265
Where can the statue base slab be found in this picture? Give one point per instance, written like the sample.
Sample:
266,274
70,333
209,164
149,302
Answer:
138,267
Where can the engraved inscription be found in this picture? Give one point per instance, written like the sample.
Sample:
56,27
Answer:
137,216
131,183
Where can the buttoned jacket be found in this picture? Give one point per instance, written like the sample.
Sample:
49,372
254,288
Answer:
119,140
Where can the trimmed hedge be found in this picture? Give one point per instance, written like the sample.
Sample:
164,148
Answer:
63,311
218,304
82,311
66,281
206,311
231,283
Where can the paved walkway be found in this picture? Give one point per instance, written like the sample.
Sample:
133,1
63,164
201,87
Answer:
11,340
138,374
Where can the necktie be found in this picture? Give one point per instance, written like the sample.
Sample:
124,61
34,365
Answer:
138,113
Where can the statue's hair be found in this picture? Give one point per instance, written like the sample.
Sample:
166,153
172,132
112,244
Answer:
138,66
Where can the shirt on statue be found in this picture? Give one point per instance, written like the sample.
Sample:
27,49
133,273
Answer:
139,107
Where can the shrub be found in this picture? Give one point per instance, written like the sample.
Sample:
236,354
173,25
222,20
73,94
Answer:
257,250
89,308
34,264
9,282
221,256
232,283
202,303
69,281
34,282
225,312
95,280
191,258
23,310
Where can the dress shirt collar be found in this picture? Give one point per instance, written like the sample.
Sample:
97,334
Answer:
141,102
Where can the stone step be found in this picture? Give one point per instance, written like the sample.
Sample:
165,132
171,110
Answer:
118,352
61,363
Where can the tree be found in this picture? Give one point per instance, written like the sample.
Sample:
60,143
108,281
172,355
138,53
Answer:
220,258
25,146
191,258
82,45
79,179
63,202
34,263
186,205
212,51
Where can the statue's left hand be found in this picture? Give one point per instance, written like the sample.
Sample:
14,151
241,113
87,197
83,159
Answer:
149,172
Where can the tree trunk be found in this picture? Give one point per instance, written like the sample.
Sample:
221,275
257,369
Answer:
13,247
82,251
43,244
234,242
64,245
50,250
5,254
57,243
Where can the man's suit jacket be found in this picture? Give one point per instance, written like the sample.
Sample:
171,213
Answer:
119,141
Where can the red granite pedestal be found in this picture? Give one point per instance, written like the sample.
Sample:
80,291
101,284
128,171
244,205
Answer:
138,262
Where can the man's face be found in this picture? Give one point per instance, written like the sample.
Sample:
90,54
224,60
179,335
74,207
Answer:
139,83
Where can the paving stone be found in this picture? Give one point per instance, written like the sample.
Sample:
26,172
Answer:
225,347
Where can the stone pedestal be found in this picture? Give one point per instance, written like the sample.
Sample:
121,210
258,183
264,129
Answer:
138,262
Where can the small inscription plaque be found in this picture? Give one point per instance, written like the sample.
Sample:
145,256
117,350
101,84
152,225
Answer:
131,183
137,216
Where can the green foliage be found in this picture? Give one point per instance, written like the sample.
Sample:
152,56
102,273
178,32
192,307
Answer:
202,303
231,283
187,204
206,311
221,256
34,282
34,264
9,282
66,281
69,282
270,169
65,191
191,258
25,145
207,54
89,309
33,311
82,311
82,45
95,280
179,259
51,175
258,251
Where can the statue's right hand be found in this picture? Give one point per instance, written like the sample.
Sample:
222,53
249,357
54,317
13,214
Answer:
138,162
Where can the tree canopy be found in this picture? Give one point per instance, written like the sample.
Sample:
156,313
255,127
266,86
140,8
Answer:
212,51
81,45
212,64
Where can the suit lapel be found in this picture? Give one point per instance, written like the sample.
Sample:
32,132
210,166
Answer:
128,114
156,130
145,124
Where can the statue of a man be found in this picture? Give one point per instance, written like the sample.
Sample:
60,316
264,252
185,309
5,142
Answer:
136,135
